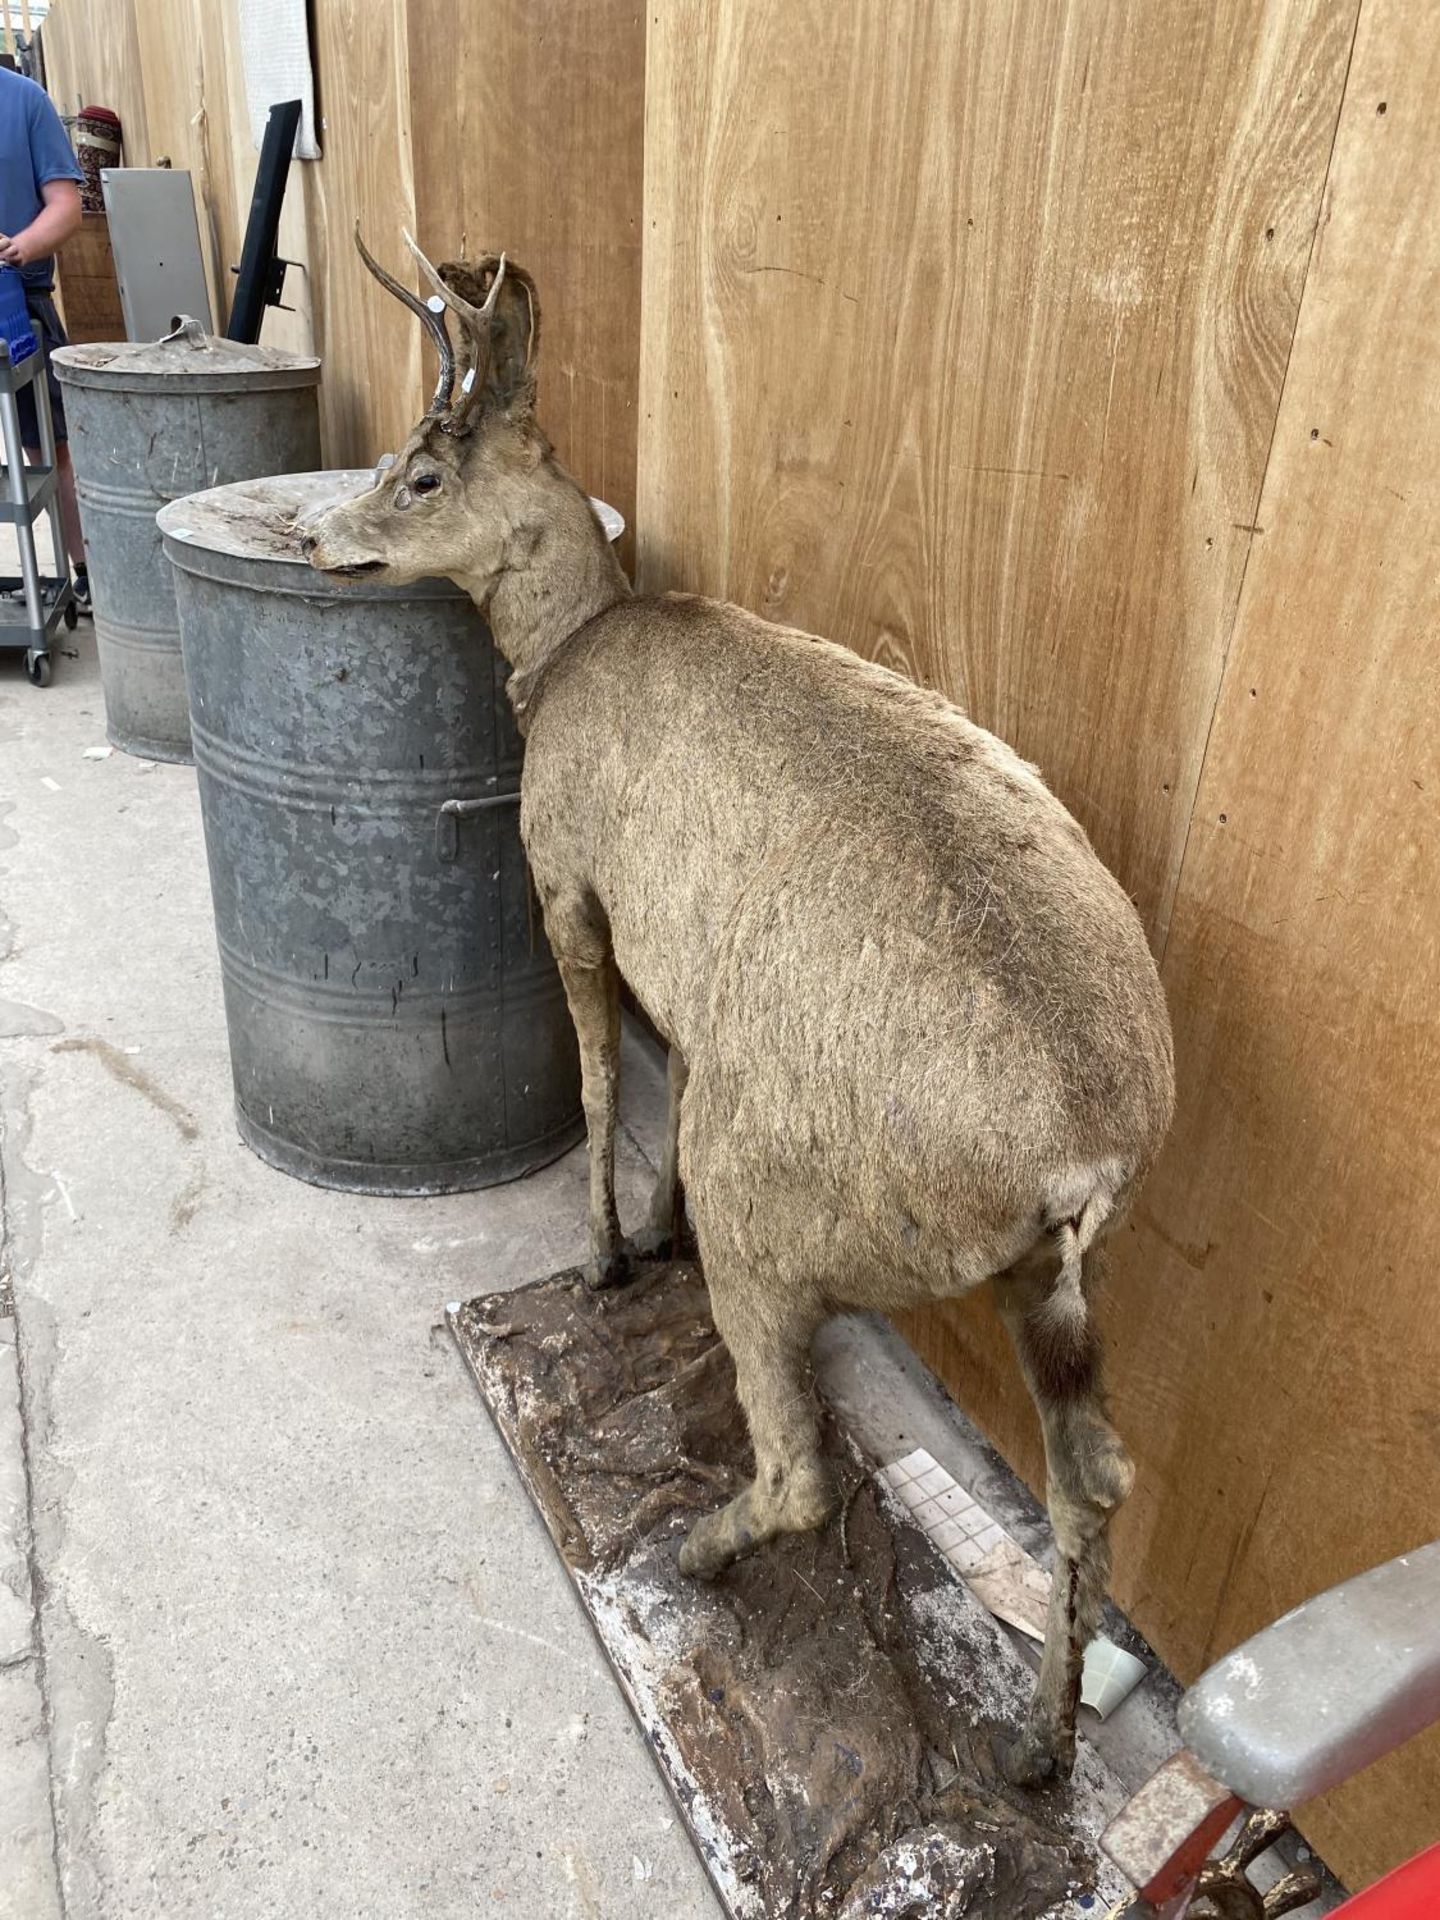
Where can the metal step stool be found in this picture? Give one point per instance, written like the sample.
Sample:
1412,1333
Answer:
32,620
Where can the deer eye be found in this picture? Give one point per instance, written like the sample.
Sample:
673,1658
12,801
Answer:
425,483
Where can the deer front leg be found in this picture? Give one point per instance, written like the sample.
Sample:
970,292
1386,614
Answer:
664,1236
592,988
1088,1475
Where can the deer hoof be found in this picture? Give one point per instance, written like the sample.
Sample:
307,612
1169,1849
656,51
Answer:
652,1243
713,1543
663,1243
609,1270
1034,1760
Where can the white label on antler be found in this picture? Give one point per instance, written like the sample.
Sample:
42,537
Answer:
435,303
468,381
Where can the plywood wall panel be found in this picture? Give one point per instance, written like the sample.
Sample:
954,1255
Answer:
1276,1349
184,63
1284,1337
92,59
966,336
373,382
471,124
529,130
963,333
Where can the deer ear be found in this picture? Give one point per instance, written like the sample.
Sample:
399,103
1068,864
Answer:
514,327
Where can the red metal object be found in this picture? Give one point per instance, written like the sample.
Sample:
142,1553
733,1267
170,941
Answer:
1411,1892
1161,1837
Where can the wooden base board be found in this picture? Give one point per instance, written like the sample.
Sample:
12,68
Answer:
824,1712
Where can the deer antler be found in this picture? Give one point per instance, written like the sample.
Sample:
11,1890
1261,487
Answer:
475,322
433,323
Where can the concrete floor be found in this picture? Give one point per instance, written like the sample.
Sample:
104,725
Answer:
280,1633
304,1646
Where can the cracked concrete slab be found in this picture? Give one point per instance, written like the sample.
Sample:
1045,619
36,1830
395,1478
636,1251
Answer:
306,1649
29,1888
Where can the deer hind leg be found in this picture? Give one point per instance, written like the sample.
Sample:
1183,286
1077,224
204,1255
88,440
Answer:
792,1489
1088,1475
663,1237
592,988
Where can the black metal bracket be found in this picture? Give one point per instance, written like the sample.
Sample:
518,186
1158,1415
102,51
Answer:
275,282
261,273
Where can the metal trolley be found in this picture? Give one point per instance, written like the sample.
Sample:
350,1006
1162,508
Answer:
31,620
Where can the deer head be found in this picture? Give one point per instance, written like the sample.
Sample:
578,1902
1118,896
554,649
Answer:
461,492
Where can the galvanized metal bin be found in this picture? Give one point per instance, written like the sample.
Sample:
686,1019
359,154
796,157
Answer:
148,424
397,1024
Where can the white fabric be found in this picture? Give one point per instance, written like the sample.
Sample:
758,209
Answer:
275,51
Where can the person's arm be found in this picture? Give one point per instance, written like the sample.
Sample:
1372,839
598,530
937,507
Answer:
57,177
57,219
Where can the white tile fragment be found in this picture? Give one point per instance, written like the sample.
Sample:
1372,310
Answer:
916,1463
955,1500
946,1535
933,1482
965,1556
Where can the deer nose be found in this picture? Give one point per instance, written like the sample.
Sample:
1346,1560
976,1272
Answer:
308,543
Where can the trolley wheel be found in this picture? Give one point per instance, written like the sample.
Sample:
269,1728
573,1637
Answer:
38,668
72,615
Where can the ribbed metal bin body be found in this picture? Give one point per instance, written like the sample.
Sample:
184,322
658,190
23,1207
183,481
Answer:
397,1023
140,438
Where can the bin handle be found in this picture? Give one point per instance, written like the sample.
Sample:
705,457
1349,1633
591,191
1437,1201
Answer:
182,327
452,812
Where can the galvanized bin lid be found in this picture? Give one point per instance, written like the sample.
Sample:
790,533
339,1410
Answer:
187,361
245,531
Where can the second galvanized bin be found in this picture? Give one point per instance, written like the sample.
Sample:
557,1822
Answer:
149,423
397,1024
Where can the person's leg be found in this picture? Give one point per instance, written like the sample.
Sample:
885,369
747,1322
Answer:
69,506
69,511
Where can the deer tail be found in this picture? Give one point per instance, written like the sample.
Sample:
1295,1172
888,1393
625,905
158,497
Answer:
1066,1309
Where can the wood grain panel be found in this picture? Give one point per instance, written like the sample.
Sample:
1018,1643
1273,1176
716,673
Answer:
183,64
87,291
196,92
92,59
530,131
1022,460
964,331
508,102
1277,1346
191,98
1287,1331
373,387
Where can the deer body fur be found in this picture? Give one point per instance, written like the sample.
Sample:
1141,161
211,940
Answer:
918,1039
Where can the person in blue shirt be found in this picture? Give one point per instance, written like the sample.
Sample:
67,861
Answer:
39,210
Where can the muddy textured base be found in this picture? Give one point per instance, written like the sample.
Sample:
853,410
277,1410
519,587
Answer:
823,1713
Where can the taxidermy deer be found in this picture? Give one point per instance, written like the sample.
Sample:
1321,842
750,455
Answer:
918,1041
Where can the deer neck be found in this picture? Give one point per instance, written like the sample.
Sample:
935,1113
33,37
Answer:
562,574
